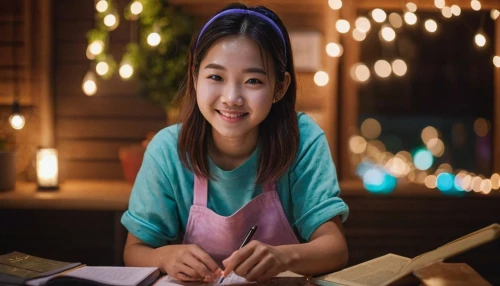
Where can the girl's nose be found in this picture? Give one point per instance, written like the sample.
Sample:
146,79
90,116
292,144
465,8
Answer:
232,96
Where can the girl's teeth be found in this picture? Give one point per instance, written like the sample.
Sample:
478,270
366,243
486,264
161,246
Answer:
231,115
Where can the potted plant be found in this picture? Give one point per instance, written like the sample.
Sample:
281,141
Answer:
7,162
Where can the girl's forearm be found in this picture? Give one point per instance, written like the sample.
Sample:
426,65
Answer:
317,256
140,255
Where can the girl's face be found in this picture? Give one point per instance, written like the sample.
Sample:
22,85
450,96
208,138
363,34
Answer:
235,88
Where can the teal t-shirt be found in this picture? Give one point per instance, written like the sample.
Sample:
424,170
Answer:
163,191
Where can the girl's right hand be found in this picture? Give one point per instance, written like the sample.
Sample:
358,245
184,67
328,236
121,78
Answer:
188,262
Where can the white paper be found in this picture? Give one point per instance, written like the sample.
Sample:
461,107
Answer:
113,275
232,279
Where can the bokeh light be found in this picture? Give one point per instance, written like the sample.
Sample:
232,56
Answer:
423,159
370,128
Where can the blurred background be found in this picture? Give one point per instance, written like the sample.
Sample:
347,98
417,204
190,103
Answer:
407,93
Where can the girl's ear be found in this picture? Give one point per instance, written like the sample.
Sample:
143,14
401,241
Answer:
282,87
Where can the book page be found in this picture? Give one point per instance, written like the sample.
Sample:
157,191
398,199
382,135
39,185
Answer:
111,275
284,279
372,272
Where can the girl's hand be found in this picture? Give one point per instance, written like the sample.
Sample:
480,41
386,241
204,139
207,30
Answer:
188,263
257,261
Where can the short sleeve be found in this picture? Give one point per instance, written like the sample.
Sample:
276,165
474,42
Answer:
314,185
152,215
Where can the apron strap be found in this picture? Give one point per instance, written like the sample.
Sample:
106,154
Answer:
200,191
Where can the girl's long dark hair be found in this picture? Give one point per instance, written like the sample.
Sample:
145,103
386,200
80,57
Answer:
279,132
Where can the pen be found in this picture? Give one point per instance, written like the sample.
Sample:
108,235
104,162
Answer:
245,242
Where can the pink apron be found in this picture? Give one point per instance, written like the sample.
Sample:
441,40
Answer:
219,236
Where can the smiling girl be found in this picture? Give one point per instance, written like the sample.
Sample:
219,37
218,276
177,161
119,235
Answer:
241,157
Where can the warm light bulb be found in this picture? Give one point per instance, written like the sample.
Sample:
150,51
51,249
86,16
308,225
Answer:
334,50
342,26
360,72
480,40
455,10
358,35
383,68
494,14
110,20
431,26
439,3
102,68
412,7
101,6
154,39
363,24
17,121
395,20
126,71
410,18
476,5
399,67
388,33
379,15
335,4
496,61
89,84
446,11
96,47
321,78
136,8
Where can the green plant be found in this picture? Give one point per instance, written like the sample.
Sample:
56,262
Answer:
159,68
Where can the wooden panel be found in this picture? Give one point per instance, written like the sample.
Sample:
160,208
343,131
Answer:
68,82
496,118
124,106
75,9
6,32
92,128
428,4
91,149
7,57
74,53
11,8
100,170
76,31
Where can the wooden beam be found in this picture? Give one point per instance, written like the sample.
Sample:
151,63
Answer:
421,4
496,106
349,94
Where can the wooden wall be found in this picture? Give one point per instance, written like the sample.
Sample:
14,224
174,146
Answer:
90,130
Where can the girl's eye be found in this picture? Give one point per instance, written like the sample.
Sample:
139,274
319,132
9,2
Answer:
215,77
254,81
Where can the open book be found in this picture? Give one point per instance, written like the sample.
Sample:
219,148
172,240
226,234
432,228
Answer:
283,279
17,268
390,268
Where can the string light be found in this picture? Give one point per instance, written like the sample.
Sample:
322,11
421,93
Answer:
480,40
16,119
387,33
358,35
154,39
395,20
126,70
383,68
446,11
439,4
475,5
496,61
360,72
412,7
334,50
410,18
379,15
102,68
363,24
96,47
136,8
342,26
399,67
321,78
431,26
494,14
335,4
89,84
111,21
455,10
101,6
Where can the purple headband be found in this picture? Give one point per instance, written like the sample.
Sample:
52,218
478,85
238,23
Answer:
242,11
